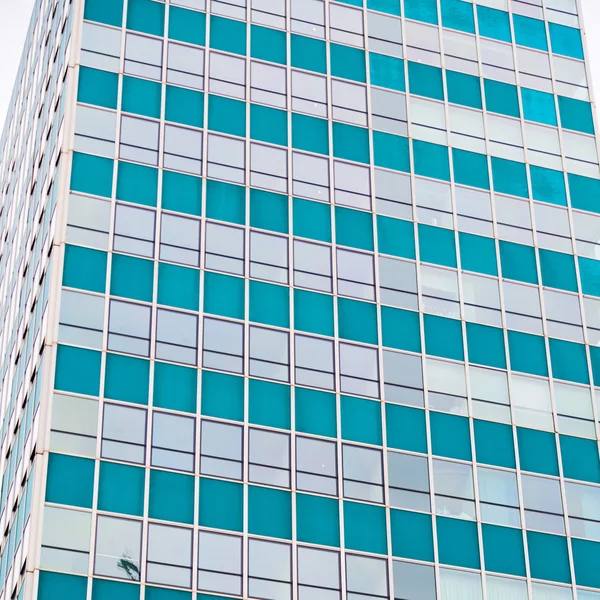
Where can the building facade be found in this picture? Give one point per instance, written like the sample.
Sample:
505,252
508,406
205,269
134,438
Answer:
300,301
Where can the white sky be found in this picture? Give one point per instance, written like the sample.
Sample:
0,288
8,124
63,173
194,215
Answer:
14,20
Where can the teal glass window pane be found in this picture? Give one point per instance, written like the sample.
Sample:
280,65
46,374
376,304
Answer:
313,312
548,557
405,428
268,44
171,496
221,504
464,89
310,134
353,228
518,262
224,295
391,151
576,114
527,353
458,543
92,174
317,520
347,62
270,304
121,488
579,458
312,220
84,269
558,270
443,337
227,115
137,183
70,480
350,142
365,527
181,193
56,586
457,14
510,177
494,444
269,512
269,404
400,329
127,378
308,53
361,420
225,202
187,26
391,7
548,185
501,98
184,106
530,32
503,550
156,593
589,271
396,237
146,16
178,286
566,40
538,106
586,557
109,12
485,345
477,253
569,361
425,80
315,412
269,211
103,589
227,35
387,71
268,124
494,24
222,396
141,96
77,370
595,360
470,168
431,160
450,436
412,535
357,320
421,10
175,387
437,245
98,87
537,451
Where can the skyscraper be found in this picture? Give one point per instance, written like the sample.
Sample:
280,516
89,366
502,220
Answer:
300,300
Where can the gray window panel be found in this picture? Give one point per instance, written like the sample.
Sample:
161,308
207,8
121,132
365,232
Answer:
169,560
269,12
393,194
176,336
268,84
309,93
268,257
229,8
482,300
559,306
134,230
543,504
363,473
352,185
139,140
224,249
367,576
453,486
583,504
346,25
129,327
227,75
269,460
308,17
385,34
173,439
552,220
95,131
474,211
403,377
81,319
318,574
221,450
310,176
389,112
226,158
314,362
268,167
499,501
223,345
269,570
440,291
219,563
124,433
183,150
408,481
522,305
269,353
514,219
316,466
312,266
413,581
101,47
355,274
118,548
359,370
74,425
180,240
398,283
88,221
185,66
349,102
143,56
